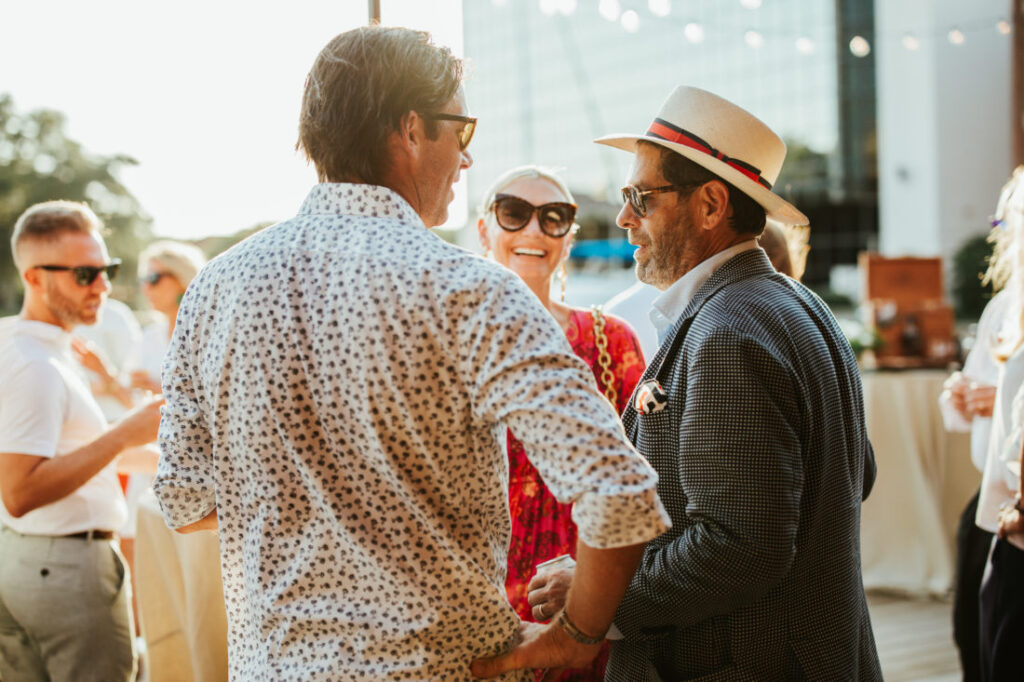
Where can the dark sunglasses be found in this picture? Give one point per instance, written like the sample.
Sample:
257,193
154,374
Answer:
153,278
468,128
86,274
513,214
637,198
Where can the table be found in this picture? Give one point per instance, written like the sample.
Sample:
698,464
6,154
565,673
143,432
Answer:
180,600
925,479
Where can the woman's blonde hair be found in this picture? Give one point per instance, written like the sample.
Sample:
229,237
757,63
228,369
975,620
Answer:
184,261
1006,266
528,172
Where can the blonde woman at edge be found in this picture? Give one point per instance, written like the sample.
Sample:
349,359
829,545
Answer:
166,268
526,224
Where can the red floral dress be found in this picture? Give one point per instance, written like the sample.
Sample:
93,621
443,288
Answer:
542,528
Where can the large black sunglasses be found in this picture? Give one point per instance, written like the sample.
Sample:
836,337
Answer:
637,198
86,274
468,128
513,214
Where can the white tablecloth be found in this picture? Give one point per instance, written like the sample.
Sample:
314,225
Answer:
925,479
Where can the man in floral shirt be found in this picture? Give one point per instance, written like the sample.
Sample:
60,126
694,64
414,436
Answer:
336,390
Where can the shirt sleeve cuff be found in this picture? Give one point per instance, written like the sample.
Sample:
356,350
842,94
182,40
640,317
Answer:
609,521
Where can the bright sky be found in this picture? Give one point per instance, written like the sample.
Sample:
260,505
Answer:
205,95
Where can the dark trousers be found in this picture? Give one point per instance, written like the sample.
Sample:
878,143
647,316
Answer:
1002,614
972,547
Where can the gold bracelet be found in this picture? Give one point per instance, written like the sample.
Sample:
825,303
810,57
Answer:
570,629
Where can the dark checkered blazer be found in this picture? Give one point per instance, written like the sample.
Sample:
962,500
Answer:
763,462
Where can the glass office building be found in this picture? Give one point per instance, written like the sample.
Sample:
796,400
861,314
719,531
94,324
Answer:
548,76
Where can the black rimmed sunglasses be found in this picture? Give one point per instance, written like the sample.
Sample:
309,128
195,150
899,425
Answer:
153,278
637,198
513,214
468,128
86,274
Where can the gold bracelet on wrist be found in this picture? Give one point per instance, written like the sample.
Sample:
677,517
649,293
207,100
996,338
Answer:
570,629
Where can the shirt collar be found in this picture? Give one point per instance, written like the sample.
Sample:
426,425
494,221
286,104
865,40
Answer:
668,306
371,201
50,334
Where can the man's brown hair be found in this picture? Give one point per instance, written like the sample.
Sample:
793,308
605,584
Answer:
48,221
361,85
748,216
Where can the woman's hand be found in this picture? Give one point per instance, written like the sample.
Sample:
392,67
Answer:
1011,520
141,380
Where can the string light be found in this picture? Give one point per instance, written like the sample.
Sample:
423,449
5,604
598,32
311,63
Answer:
566,7
630,21
660,8
804,45
1003,27
859,46
694,32
956,36
910,42
753,39
609,9
548,7
751,4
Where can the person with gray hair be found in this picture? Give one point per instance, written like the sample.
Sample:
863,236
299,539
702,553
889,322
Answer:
166,268
64,595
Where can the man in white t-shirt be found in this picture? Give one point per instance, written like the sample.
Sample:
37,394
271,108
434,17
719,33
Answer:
64,597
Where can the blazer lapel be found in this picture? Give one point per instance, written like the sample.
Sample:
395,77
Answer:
741,266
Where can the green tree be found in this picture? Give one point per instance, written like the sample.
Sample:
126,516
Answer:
39,162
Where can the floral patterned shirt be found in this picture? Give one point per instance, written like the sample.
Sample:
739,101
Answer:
337,387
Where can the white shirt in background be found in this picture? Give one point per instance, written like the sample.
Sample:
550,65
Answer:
979,366
116,334
47,410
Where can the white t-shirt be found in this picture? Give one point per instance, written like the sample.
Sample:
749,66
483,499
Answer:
47,410
117,335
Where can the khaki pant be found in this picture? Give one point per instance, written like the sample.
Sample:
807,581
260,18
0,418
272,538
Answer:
65,610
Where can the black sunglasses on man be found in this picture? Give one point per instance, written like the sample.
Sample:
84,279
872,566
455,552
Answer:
86,274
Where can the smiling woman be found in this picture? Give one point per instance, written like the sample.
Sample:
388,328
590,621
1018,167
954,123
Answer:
526,224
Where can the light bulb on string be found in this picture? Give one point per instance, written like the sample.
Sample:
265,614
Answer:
859,46
753,39
609,9
804,45
956,37
694,32
548,7
630,21
660,8
910,42
751,4
1003,27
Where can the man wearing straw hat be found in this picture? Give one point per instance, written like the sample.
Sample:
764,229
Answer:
751,413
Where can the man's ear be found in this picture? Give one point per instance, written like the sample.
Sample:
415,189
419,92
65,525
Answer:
712,205
411,133
32,278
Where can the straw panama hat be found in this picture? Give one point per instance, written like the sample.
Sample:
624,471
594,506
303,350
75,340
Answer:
728,141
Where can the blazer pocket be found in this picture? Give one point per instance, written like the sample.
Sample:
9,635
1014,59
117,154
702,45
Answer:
699,651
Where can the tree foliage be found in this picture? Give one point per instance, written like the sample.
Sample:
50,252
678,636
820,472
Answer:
39,162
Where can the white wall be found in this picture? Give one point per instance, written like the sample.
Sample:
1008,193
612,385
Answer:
943,122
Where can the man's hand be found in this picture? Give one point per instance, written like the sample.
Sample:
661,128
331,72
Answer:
979,399
548,590
140,426
1011,521
540,646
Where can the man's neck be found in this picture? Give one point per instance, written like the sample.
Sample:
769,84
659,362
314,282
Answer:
40,313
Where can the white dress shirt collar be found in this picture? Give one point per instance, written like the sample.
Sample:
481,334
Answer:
673,301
